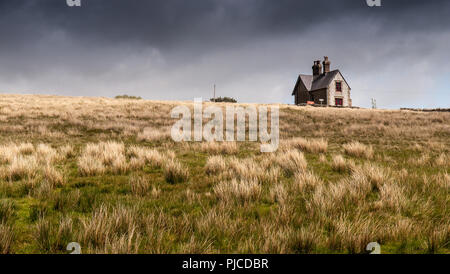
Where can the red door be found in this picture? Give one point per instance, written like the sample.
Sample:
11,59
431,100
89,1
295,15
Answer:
339,102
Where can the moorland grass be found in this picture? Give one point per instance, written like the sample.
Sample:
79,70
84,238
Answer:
105,173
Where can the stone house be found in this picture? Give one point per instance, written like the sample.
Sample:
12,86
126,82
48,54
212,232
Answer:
326,87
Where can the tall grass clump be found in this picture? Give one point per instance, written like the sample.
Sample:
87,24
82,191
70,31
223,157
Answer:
53,176
111,231
153,134
306,181
174,172
101,157
443,160
7,210
215,165
358,149
139,185
339,164
240,191
291,161
90,166
309,145
23,167
6,238
219,147
66,151
64,234
142,156
43,234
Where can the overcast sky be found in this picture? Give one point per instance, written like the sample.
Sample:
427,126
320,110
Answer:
252,49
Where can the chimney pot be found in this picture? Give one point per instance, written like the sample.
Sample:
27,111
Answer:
317,68
326,65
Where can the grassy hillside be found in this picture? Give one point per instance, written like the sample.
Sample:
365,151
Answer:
105,173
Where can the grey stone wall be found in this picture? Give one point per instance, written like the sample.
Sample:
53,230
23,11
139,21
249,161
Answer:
345,94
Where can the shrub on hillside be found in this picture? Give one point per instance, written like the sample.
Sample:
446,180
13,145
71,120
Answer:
224,100
129,97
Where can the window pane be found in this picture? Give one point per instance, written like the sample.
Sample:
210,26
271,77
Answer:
338,86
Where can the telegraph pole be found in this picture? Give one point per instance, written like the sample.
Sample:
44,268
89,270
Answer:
214,93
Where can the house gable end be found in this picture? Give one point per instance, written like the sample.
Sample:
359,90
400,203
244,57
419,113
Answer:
296,85
342,76
305,81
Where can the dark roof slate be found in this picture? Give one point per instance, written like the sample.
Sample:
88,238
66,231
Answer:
320,82
307,80
323,80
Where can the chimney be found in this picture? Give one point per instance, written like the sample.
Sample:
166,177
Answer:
326,65
317,68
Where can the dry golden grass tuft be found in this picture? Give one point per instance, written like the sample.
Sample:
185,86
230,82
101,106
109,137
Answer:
46,154
7,210
43,235
139,185
153,134
25,148
358,149
374,174
277,239
392,197
284,239
98,158
125,244
111,231
278,194
239,191
353,236
215,165
64,234
323,158
424,159
53,176
90,166
307,145
142,156
67,151
119,165
339,164
243,169
307,181
156,192
291,161
443,160
437,238
250,169
175,172
42,191
6,238
443,180
114,158
22,167
219,147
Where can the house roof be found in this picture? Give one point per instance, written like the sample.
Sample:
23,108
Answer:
307,80
320,82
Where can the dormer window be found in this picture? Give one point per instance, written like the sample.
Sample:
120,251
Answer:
338,86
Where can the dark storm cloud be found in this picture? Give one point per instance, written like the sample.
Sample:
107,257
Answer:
169,23
256,45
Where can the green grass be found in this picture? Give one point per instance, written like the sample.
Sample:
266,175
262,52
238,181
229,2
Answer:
180,217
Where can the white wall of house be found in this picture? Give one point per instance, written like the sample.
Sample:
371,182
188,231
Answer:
345,94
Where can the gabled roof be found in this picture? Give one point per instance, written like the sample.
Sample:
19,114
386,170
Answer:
307,80
323,80
315,83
